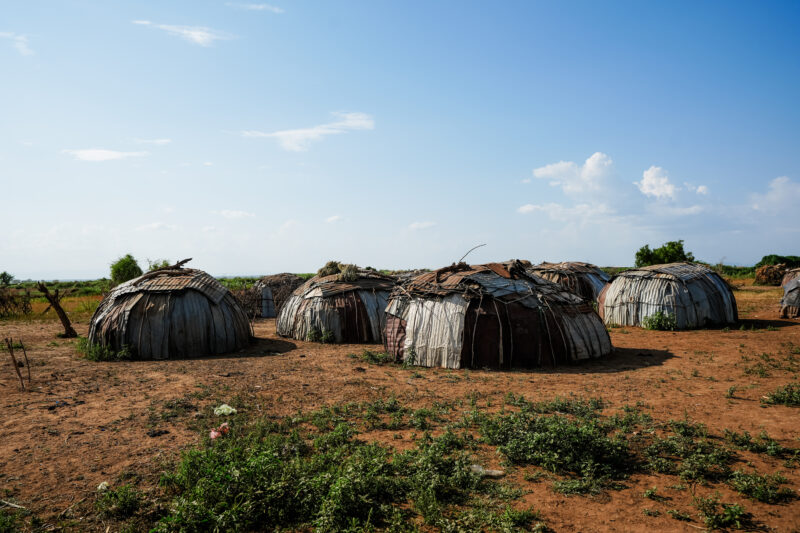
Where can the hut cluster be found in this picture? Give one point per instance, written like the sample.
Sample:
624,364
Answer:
497,315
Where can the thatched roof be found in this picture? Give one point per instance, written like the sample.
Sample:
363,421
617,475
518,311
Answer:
333,309
492,315
693,293
584,279
172,312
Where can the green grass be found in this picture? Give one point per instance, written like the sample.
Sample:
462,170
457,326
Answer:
374,358
119,503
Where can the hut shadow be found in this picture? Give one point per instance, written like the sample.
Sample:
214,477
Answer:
258,347
623,360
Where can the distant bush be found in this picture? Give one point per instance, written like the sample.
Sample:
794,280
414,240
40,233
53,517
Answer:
660,321
155,264
791,261
669,252
6,279
125,268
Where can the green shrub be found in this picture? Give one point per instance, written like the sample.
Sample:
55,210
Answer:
327,336
9,521
660,321
788,395
155,264
125,268
791,261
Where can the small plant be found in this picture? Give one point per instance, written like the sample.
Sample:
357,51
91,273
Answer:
100,352
652,494
314,335
788,395
410,358
651,512
660,321
155,264
731,392
375,358
717,515
679,515
327,336
119,503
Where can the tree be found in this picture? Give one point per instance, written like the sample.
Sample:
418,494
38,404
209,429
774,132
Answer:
6,279
125,268
669,252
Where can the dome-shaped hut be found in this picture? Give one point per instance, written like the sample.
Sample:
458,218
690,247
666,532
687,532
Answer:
495,315
584,279
790,275
170,313
790,304
344,307
693,294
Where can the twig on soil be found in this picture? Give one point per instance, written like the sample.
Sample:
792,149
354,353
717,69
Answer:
27,363
14,505
73,504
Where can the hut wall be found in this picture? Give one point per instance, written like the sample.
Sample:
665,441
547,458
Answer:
352,317
790,275
790,304
695,303
433,329
159,325
587,285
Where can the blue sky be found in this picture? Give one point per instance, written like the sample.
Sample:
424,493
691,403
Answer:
261,138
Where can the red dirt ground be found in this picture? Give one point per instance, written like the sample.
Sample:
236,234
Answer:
85,422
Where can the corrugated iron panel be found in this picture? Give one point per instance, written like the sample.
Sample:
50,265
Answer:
790,303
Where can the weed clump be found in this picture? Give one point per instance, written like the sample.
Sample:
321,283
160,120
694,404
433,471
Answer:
764,488
119,503
717,515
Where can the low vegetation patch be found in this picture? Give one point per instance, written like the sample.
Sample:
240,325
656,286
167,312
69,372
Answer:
98,352
786,395
660,321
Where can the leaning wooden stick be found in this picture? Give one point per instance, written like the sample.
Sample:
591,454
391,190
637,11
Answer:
27,363
10,344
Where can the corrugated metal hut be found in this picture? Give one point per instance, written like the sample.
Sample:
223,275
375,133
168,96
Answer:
790,275
694,294
338,308
495,315
790,304
170,313
584,279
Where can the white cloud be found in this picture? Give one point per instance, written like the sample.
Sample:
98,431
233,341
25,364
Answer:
334,218
101,154
156,226
674,211
199,35
526,180
233,214
256,7
699,189
576,213
156,142
655,182
575,179
421,225
298,140
783,195
20,42
208,164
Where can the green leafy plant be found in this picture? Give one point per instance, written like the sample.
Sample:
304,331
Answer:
660,321
125,268
122,502
764,488
99,352
155,264
787,395
717,515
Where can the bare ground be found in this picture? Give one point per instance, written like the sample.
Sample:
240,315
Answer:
86,422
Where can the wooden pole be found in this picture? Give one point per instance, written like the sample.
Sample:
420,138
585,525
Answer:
10,344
